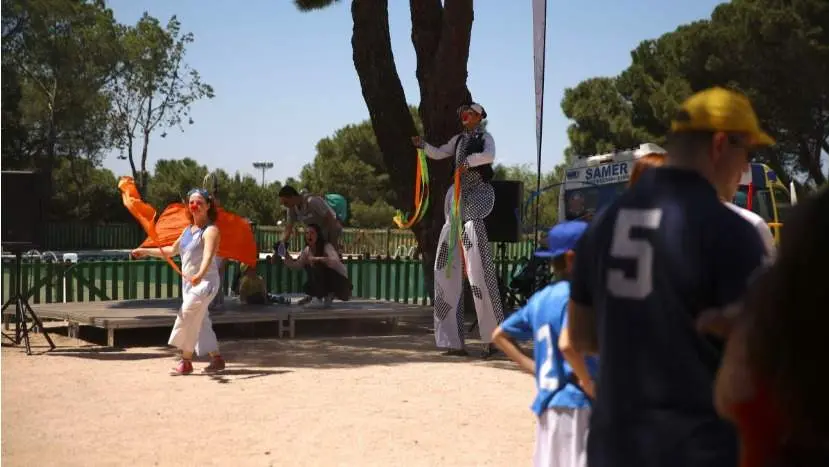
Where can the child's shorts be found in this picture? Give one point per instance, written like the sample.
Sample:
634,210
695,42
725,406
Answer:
561,438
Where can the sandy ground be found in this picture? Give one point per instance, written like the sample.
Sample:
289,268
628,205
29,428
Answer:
328,401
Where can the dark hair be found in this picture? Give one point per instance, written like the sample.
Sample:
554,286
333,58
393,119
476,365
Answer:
319,247
788,320
288,191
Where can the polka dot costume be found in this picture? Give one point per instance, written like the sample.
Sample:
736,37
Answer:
477,201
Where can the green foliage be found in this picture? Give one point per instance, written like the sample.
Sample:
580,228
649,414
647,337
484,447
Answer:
377,215
86,192
548,208
75,84
776,52
58,55
172,179
244,195
350,163
240,194
310,5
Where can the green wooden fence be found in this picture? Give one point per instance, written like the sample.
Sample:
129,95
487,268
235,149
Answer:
384,278
122,236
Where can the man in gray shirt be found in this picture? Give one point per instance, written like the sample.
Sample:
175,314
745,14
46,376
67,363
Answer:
310,209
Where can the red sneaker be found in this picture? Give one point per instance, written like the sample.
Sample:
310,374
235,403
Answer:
184,367
217,363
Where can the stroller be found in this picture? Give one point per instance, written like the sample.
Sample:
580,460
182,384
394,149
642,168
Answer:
530,274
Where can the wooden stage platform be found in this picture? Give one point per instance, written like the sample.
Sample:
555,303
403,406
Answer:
133,314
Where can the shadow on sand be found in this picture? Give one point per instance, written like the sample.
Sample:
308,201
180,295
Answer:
345,352
325,347
237,374
106,353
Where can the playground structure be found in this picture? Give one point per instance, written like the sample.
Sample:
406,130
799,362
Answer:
764,194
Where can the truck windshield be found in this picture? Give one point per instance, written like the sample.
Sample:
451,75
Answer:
583,203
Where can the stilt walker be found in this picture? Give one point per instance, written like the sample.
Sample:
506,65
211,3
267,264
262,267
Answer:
463,247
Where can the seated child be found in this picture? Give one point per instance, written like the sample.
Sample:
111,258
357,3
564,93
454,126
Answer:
252,288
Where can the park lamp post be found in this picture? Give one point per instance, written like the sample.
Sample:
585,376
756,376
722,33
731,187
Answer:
263,166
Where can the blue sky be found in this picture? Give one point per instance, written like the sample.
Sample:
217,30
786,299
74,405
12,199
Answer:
285,79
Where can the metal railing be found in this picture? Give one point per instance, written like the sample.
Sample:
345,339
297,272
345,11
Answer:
125,236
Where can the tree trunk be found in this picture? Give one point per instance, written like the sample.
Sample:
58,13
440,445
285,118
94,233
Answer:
142,183
147,126
386,101
441,39
47,166
809,159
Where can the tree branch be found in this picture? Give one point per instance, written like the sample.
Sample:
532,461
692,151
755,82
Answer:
382,90
456,35
135,119
39,83
165,104
447,82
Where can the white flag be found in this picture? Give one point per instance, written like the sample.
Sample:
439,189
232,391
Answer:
539,44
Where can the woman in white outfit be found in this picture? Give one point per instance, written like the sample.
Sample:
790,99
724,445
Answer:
197,246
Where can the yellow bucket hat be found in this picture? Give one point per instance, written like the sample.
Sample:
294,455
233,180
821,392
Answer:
720,109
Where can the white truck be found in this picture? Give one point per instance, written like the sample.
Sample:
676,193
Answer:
592,182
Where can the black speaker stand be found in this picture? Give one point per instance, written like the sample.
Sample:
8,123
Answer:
22,311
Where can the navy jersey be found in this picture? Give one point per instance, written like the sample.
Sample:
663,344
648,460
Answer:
665,251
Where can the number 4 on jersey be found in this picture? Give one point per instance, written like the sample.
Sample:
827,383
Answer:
624,246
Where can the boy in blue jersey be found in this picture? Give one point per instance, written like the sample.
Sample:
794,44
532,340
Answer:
663,254
562,407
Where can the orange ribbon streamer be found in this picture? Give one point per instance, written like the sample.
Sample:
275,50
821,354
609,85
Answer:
456,222
421,194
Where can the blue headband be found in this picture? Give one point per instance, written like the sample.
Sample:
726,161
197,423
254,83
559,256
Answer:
204,194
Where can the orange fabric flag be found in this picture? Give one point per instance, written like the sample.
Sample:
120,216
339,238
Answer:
169,226
237,240
143,213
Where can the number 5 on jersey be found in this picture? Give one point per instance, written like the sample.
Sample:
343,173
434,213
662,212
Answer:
624,246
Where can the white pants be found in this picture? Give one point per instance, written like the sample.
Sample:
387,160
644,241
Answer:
561,438
483,280
191,318
219,298
207,343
